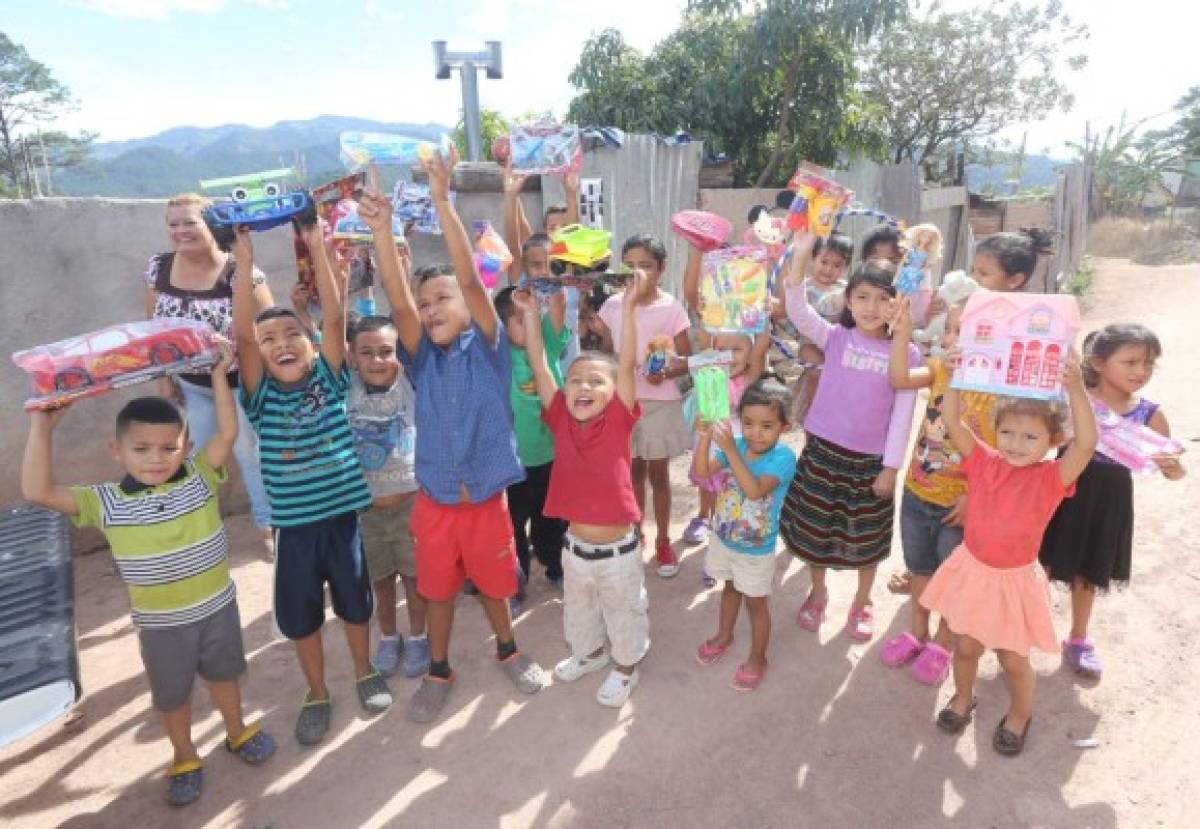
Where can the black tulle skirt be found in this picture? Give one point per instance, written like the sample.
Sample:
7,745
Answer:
1091,534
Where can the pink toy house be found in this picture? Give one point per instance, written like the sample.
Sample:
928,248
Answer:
1016,344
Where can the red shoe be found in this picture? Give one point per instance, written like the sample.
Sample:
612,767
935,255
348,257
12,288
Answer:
668,562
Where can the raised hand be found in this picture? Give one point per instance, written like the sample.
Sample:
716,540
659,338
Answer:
225,356
524,302
375,209
902,317
513,182
722,436
439,169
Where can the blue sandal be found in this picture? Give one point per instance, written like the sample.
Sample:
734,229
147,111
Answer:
184,782
253,745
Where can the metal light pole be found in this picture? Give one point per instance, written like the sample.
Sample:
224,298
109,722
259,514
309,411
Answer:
467,63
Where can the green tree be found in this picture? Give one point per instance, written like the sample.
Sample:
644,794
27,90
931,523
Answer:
949,78
492,125
1182,139
766,81
1125,168
30,97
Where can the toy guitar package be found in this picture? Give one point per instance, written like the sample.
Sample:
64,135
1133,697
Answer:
359,149
1131,444
822,199
545,149
702,230
733,291
114,357
710,373
260,201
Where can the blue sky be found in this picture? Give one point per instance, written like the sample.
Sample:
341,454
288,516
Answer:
141,66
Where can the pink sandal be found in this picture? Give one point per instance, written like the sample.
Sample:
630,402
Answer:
811,614
900,650
746,681
860,624
708,653
932,666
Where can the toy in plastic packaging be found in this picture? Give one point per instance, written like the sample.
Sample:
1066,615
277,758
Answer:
710,375
823,198
359,149
545,149
260,201
733,291
658,353
340,189
580,245
924,248
413,203
350,229
1131,444
1015,344
114,357
702,230
492,256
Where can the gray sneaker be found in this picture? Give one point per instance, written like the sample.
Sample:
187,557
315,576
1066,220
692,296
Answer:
313,721
429,699
416,657
373,693
526,674
387,656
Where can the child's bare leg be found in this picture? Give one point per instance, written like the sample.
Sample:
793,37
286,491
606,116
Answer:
818,593
358,637
866,580
1083,597
499,617
385,605
660,487
178,725
759,609
942,636
312,661
967,651
708,500
731,603
1019,676
441,619
919,623
227,698
639,471
418,608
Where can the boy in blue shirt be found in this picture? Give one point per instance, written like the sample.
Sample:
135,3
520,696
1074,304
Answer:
454,349
295,397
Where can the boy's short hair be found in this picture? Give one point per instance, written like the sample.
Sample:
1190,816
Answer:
537,240
553,210
428,272
279,312
589,356
367,324
767,392
1052,413
155,410
503,303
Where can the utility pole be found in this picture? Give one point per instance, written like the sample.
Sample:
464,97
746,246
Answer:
467,63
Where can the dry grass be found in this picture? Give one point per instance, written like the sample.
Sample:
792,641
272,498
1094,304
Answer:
1153,242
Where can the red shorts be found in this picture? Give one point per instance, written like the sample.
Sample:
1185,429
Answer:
454,543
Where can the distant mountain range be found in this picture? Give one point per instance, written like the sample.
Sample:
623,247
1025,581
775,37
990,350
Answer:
176,160
1036,171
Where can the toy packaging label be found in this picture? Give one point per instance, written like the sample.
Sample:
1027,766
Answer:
703,230
545,149
1016,344
1130,444
114,357
331,192
733,291
823,198
712,393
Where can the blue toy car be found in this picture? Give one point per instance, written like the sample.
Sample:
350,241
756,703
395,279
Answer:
258,200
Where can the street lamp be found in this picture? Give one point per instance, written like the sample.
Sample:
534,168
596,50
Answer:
467,63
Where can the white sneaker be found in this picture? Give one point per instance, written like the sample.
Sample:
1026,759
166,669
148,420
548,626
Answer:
616,688
572,668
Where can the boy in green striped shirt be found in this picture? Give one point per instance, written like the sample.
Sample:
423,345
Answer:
163,524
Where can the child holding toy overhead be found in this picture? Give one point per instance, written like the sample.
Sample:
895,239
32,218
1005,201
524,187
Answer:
662,433
163,525
295,397
454,349
991,590
1089,543
838,511
592,420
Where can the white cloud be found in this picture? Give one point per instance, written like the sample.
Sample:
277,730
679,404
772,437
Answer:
383,11
150,9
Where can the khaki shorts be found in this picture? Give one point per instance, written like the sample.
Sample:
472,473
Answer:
752,575
661,432
387,541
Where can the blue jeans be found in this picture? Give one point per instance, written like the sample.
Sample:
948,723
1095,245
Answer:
927,542
202,423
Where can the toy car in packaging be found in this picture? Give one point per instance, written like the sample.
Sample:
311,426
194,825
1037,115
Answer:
259,201
545,149
113,357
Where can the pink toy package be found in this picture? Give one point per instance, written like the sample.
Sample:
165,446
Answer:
1131,444
1016,344
114,357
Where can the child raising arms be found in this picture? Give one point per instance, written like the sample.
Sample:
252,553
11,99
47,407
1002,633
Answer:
991,591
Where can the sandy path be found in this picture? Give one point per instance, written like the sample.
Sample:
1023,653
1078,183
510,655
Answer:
832,737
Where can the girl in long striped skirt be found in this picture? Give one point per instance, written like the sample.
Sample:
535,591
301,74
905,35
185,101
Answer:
838,510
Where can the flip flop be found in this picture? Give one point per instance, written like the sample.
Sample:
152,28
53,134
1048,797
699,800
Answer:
708,653
184,782
811,614
253,745
1009,743
746,681
953,722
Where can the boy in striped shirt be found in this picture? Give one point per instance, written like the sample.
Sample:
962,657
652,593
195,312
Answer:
295,398
163,524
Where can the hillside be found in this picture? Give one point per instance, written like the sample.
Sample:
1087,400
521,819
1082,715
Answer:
176,160
1037,171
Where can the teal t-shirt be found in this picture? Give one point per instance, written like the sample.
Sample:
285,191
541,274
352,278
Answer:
535,445
751,525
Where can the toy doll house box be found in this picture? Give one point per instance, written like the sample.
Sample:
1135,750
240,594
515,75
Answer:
1015,344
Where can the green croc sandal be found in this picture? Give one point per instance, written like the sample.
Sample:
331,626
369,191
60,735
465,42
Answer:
313,721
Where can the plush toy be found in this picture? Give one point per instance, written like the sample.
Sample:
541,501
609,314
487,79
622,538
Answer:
924,244
956,288
769,230
658,351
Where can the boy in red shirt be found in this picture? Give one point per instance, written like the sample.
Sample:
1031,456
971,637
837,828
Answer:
591,486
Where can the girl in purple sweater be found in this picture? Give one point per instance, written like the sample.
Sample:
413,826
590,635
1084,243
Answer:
838,510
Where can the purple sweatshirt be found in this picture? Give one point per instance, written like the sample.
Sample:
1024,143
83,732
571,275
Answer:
855,406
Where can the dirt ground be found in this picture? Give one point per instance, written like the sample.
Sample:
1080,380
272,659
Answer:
831,737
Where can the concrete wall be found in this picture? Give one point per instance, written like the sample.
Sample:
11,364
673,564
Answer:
68,266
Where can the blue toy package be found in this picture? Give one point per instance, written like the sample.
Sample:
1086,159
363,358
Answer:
260,201
413,203
350,228
359,149
545,149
